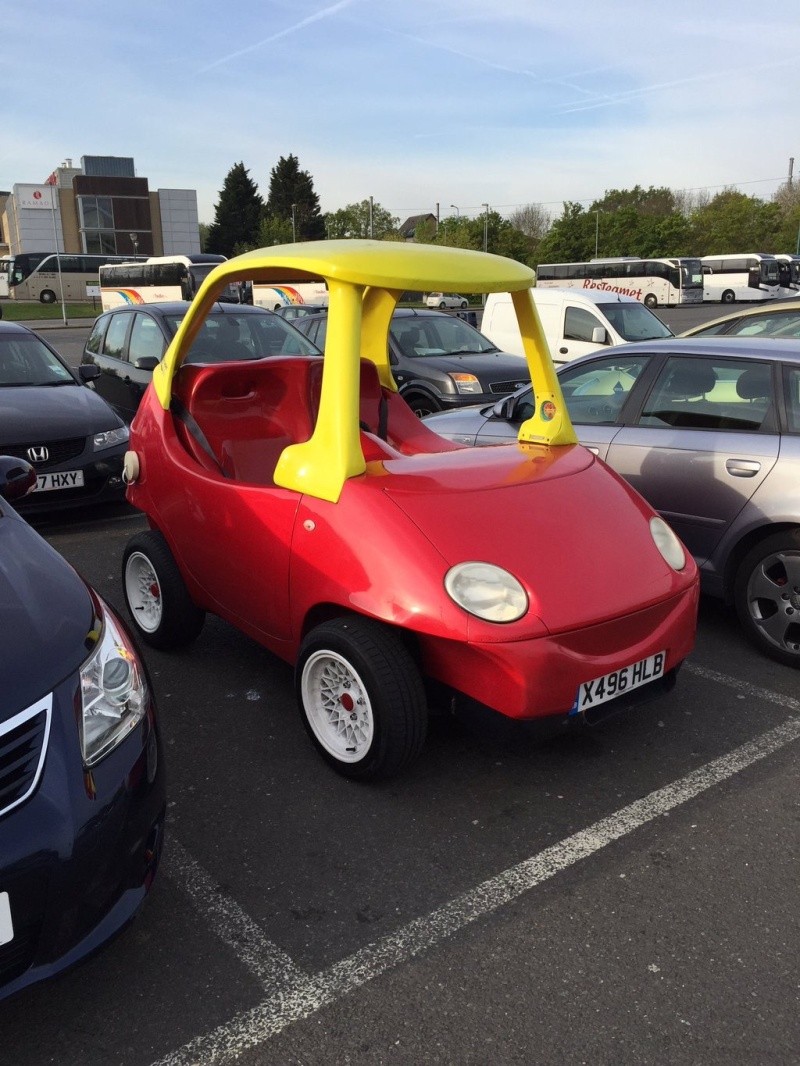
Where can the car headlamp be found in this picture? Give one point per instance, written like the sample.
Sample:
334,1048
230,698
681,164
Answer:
487,591
113,692
110,437
667,543
466,383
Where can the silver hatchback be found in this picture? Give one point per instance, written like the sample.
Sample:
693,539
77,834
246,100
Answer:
708,431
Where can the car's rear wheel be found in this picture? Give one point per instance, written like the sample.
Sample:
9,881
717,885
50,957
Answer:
464,304
442,303
767,596
159,603
361,697
651,300
729,297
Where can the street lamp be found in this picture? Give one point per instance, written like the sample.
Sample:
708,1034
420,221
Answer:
596,232
485,227
294,224
135,242
458,213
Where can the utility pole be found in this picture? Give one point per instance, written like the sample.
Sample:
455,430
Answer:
791,170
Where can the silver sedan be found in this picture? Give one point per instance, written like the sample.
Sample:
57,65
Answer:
708,431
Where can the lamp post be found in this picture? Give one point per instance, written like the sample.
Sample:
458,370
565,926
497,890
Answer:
596,232
294,224
135,242
485,227
458,213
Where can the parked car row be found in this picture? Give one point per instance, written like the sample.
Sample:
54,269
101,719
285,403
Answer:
528,612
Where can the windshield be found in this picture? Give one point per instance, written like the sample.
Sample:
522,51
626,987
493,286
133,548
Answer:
25,360
238,335
769,271
424,335
635,322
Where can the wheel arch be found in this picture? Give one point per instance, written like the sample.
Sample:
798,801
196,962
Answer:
328,612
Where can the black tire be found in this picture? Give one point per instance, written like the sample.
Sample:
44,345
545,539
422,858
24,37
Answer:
729,297
421,404
47,296
651,300
767,596
387,720
442,304
464,305
163,613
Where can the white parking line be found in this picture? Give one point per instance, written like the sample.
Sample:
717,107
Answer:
299,999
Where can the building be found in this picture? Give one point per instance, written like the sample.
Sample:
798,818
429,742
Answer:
99,207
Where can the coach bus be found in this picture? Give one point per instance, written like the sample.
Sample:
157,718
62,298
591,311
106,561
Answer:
43,275
788,274
743,276
298,292
656,282
165,277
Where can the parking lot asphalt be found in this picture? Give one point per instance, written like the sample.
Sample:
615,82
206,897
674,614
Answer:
625,893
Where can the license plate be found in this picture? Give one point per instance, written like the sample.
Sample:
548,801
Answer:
592,693
63,479
6,925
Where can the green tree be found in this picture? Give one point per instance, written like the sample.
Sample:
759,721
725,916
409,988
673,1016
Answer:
787,199
571,238
292,198
237,214
204,228
354,221
733,222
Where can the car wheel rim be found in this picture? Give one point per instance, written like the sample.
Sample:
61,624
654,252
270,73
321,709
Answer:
144,592
773,600
337,706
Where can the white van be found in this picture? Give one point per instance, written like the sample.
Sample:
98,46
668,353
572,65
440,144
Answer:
573,322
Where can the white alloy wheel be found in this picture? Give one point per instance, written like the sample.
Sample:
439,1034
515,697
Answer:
337,706
143,592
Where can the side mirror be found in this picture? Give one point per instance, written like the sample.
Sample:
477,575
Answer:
146,362
88,372
505,408
599,335
17,478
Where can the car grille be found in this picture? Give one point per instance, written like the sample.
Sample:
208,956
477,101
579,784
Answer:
22,744
502,388
59,451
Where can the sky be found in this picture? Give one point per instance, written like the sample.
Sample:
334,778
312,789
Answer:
451,102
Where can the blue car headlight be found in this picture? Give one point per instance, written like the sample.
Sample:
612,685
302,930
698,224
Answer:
113,692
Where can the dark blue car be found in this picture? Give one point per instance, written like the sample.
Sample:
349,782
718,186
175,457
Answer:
81,774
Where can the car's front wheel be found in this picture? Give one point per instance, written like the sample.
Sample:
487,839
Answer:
159,603
421,404
361,697
767,596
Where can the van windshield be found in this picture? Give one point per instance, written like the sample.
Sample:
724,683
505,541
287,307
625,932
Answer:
635,322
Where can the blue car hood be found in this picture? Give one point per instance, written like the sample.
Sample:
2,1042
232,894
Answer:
32,414
46,616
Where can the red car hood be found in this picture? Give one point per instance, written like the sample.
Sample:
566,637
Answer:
564,524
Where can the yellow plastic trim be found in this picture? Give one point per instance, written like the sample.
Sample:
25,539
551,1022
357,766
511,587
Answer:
321,465
550,423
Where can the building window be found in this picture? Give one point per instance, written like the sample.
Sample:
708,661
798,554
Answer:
97,224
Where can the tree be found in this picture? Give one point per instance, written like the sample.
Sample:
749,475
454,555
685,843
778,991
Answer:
354,221
292,198
733,222
237,215
531,220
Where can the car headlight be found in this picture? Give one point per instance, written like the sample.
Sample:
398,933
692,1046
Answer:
113,692
466,383
110,437
667,543
487,591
